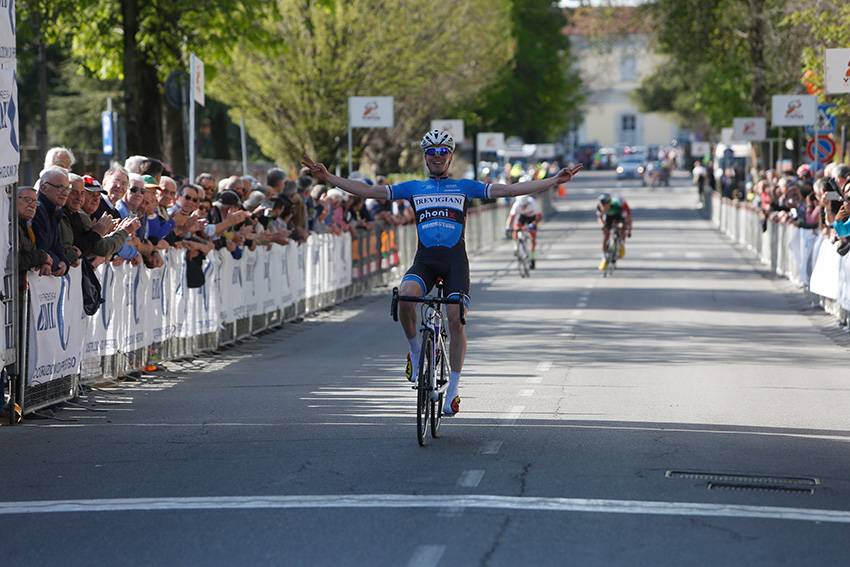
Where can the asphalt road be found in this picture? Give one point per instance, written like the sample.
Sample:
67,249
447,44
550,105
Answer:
691,410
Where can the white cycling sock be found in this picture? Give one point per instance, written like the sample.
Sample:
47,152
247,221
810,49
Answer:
415,349
451,391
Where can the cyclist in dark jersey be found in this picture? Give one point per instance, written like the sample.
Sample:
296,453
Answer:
440,205
613,212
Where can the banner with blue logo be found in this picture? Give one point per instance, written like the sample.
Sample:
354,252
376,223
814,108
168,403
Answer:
10,153
57,326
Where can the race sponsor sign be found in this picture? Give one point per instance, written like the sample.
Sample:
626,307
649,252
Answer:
490,141
749,129
700,149
453,127
370,112
837,71
10,155
57,326
793,110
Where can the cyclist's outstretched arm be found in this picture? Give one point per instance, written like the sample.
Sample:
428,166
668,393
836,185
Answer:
320,172
529,187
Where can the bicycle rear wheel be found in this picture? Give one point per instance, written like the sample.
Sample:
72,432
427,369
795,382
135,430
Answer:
423,387
437,405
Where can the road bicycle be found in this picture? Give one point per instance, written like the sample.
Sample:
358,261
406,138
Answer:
522,251
433,378
612,254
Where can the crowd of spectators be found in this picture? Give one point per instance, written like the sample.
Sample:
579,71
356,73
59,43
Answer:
139,210
818,201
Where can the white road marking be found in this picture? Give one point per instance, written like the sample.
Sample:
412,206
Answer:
426,556
534,380
655,255
408,501
526,393
581,304
514,414
693,255
471,478
544,366
491,448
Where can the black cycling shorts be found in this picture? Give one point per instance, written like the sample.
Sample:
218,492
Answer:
612,220
522,220
451,265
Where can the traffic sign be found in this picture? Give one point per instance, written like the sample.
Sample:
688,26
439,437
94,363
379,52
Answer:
825,120
826,149
837,70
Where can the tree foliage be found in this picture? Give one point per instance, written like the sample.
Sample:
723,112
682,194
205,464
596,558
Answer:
825,24
538,93
725,59
295,92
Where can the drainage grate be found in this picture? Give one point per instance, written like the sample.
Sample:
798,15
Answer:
759,488
750,482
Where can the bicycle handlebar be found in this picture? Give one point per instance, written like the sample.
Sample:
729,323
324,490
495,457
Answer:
428,299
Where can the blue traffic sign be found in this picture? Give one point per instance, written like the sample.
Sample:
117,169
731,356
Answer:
826,120
107,132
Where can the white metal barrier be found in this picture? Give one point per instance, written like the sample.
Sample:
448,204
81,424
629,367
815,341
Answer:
804,256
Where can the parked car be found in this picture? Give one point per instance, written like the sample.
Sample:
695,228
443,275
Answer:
630,167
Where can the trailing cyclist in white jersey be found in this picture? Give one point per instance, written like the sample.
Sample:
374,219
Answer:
440,204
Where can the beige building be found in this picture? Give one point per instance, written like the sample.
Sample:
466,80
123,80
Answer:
613,54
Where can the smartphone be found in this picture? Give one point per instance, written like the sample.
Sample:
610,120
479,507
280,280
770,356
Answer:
833,196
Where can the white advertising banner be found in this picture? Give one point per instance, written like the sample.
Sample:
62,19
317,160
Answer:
370,112
453,127
10,154
5,245
825,276
837,71
749,129
196,67
57,326
490,141
794,110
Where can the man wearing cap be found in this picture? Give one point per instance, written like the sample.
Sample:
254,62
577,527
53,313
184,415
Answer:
112,241
80,238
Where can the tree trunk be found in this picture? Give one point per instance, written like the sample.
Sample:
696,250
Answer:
41,131
756,35
175,140
142,98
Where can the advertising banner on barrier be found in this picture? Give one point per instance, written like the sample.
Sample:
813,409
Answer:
825,273
57,326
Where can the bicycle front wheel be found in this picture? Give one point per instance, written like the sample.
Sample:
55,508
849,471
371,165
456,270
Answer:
442,376
423,387
522,258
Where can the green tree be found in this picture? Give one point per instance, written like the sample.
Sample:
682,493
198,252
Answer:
539,93
432,58
725,58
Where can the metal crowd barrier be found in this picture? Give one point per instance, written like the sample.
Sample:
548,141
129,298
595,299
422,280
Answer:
789,251
378,256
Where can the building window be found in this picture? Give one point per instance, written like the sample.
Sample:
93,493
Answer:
628,68
628,122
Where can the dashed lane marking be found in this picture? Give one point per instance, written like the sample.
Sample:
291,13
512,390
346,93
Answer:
534,380
544,366
470,479
425,501
526,393
426,556
491,447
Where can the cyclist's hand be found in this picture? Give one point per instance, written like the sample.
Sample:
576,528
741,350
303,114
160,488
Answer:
508,232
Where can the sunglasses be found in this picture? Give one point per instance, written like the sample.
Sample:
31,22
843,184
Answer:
193,199
136,189
62,188
437,152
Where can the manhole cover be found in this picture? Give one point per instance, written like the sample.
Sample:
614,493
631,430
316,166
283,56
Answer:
751,482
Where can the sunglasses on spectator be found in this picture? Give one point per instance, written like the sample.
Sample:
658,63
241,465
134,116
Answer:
62,188
135,189
193,199
437,152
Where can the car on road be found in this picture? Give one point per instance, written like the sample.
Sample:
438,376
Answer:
630,167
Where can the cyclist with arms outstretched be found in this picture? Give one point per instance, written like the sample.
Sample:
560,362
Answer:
525,212
440,205
613,212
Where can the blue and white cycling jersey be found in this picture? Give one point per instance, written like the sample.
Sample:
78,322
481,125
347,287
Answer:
440,206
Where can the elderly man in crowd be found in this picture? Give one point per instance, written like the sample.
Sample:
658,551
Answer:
54,188
206,181
79,238
59,157
111,243
116,181
30,256
129,206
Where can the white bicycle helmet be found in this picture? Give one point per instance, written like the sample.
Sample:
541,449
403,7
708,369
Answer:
436,138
